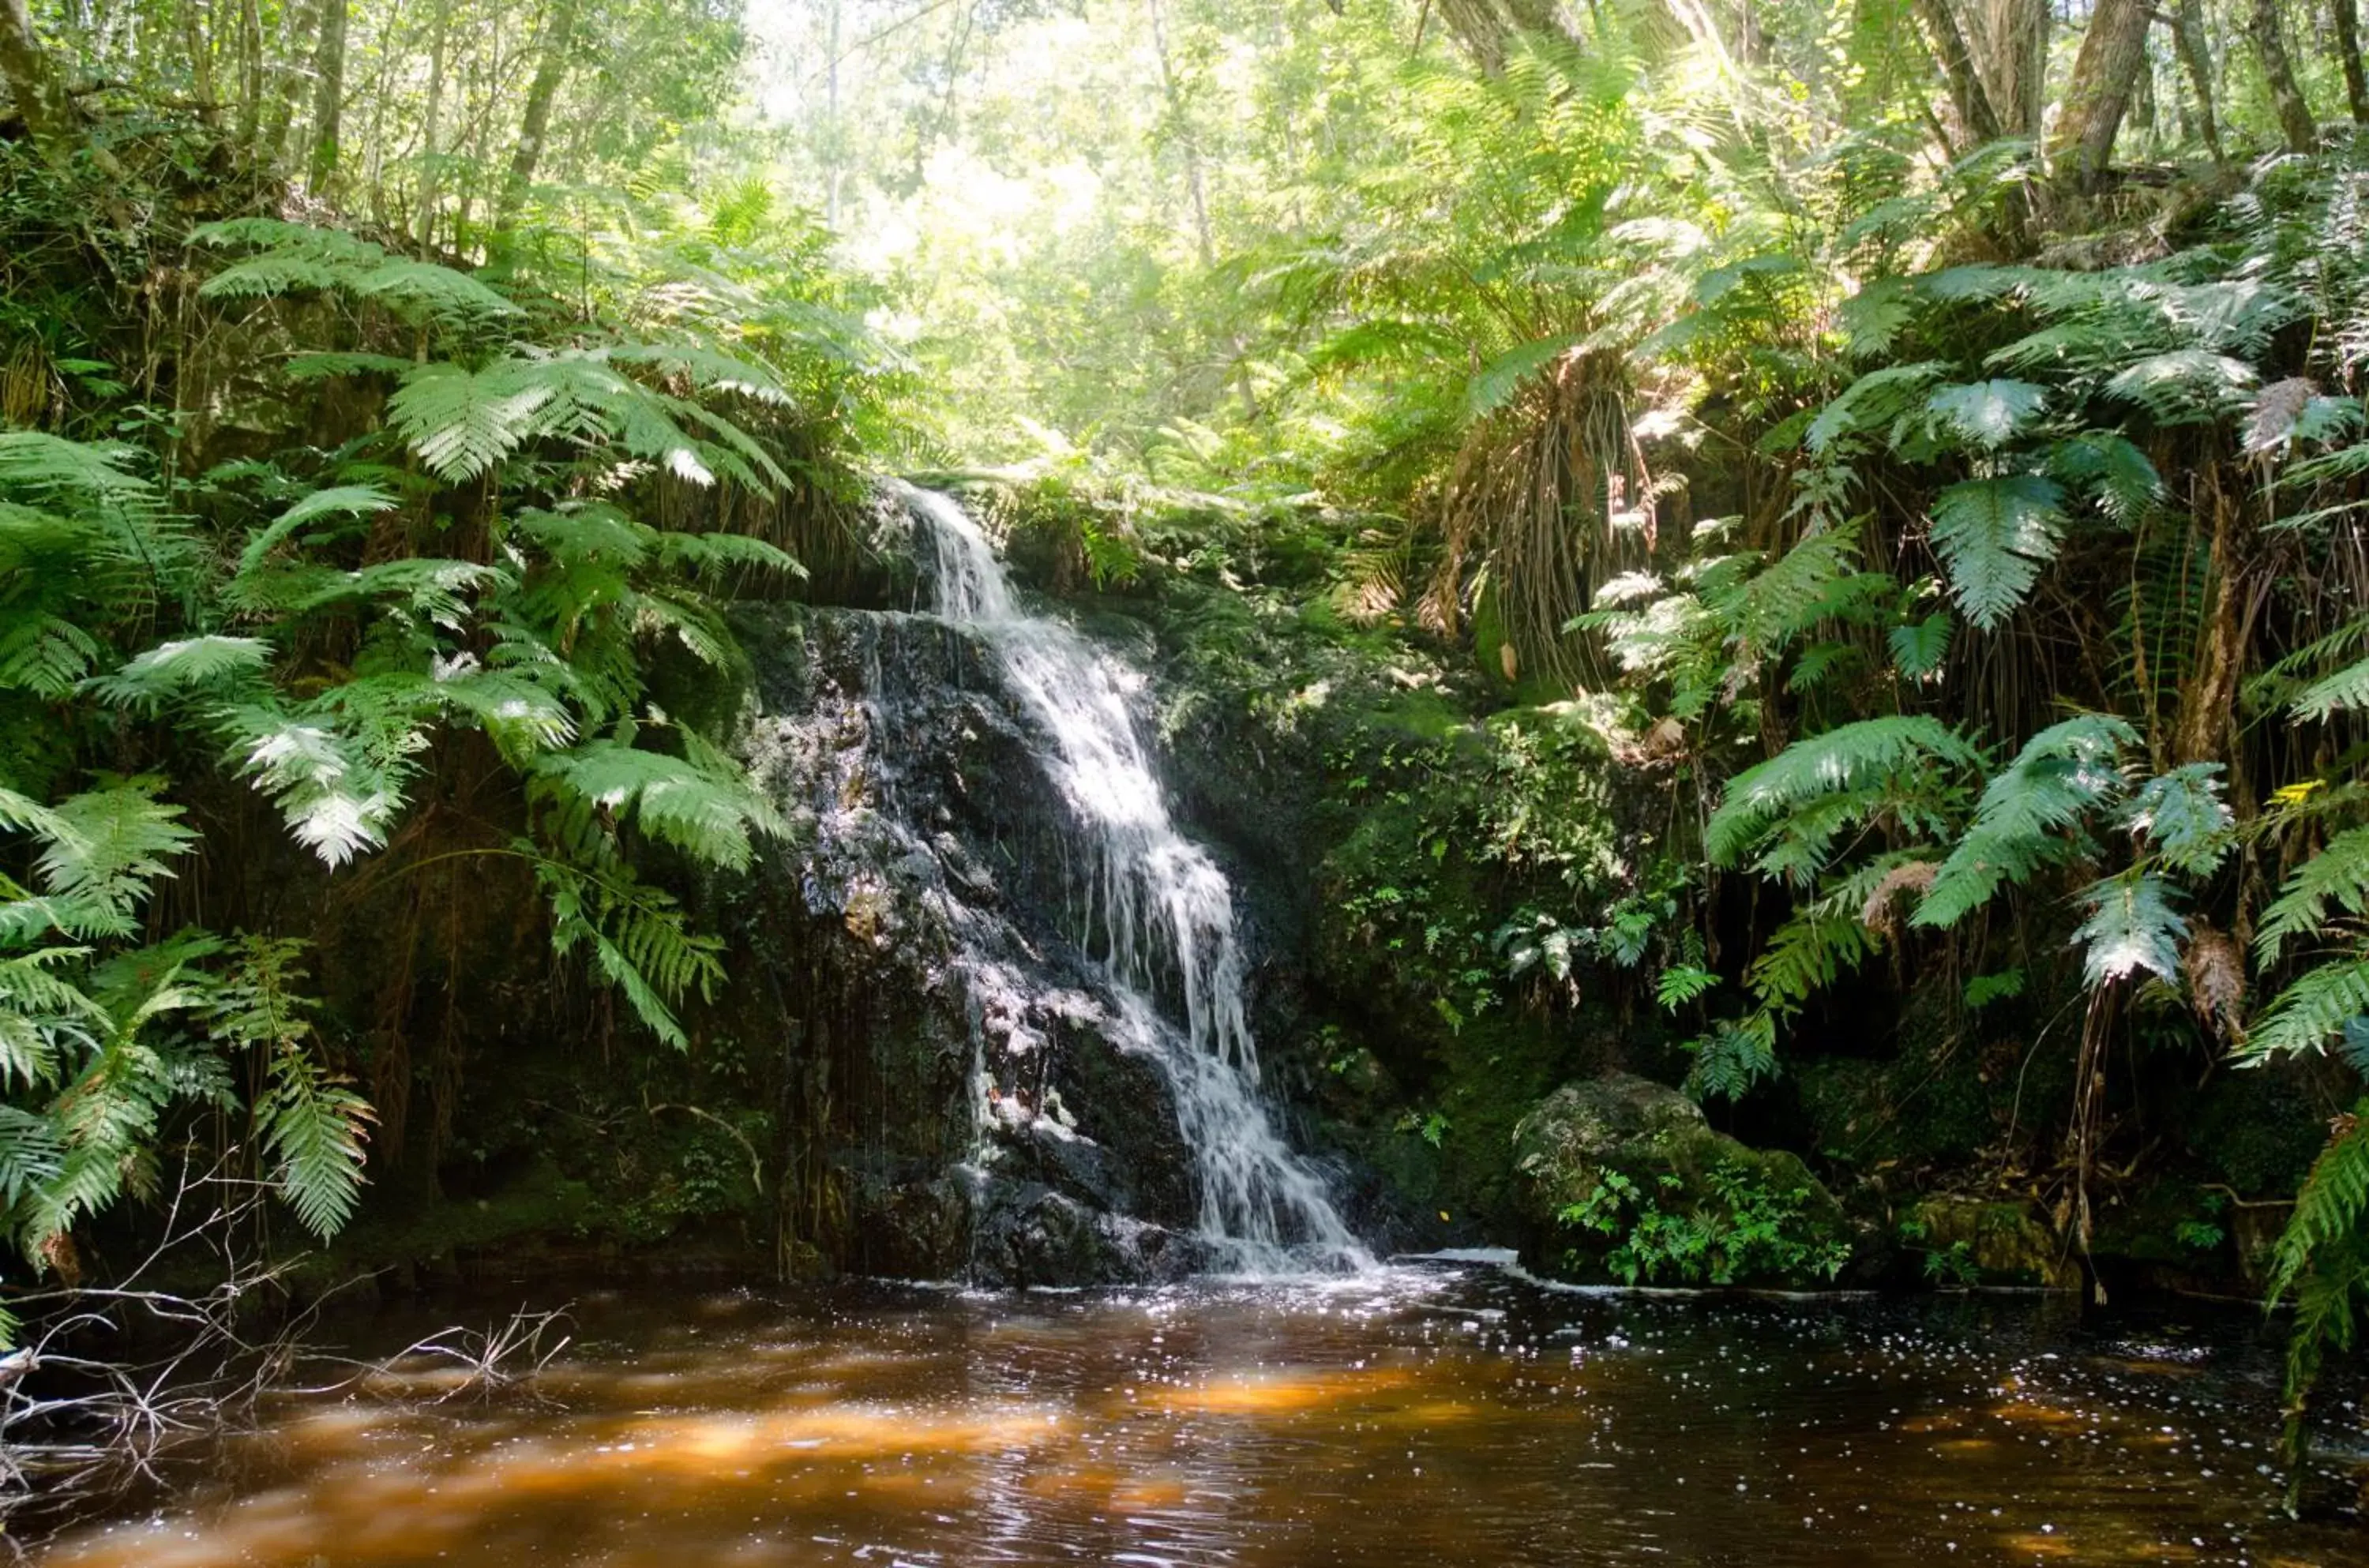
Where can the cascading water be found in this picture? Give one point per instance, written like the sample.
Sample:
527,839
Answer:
1158,913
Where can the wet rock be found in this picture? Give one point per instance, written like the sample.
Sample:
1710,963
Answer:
1619,1175
2003,1241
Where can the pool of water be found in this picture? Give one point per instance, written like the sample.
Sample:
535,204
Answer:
1427,1413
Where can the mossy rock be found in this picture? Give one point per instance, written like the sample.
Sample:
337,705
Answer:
1621,1132
2007,1241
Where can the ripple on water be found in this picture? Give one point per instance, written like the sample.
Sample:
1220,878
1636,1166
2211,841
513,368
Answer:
1438,1411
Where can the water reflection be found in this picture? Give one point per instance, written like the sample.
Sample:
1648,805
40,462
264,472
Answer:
1419,1416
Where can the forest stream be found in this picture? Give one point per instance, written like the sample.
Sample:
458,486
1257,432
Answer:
1433,1412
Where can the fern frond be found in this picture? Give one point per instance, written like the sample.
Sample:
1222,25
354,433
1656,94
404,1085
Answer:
2335,879
1987,414
2185,386
1993,536
698,811
341,501
2062,773
315,1129
2132,926
1848,757
101,850
2308,1014
180,668
2184,818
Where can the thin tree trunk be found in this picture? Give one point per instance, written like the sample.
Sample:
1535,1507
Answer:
550,70
2348,54
427,133
1195,178
201,58
33,81
250,76
2277,70
2098,94
1970,99
2195,56
328,96
299,23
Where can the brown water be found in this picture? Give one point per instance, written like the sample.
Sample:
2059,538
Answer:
1427,1415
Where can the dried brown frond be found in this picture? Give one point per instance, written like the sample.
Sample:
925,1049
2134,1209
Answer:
1877,913
2216,980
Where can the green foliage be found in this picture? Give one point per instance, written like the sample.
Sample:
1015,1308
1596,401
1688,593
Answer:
2060,776
1807,794
1746,1231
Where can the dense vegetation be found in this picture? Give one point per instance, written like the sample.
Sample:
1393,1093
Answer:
1765,525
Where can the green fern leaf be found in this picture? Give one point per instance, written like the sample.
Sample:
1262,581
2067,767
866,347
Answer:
2062,773
2335,879
2317,1007
1993,536
342,500
1849,757
2184,818
2132,926
181,668
1988,414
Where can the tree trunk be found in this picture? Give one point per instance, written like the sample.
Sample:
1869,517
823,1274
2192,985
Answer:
2286,96
2195,56
33,81
1489,29
2348,54
427,155
250,76
328,96
2104,72
2010,40
201,58
1195,178
297,24
549,72
1970,99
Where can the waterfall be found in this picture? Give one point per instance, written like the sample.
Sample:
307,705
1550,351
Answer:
1158,914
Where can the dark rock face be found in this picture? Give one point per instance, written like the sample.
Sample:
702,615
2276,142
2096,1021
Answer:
953,1103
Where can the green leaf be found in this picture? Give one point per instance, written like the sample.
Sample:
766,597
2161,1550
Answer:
1918,647
2184,818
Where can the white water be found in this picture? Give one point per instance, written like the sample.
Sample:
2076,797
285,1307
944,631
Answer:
1160,914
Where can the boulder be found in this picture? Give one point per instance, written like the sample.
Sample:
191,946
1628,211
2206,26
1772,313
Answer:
2001,1242
1619,1177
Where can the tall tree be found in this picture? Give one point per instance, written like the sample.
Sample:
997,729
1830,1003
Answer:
550,70
2346,14
1970,95
2196,57
1489,29
2278,70
42,100
328,94
2104,72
